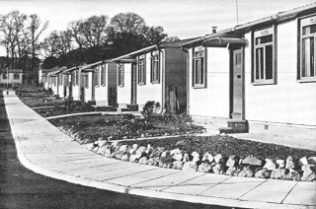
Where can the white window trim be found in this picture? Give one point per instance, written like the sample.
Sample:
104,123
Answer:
303,22
263,32
204,84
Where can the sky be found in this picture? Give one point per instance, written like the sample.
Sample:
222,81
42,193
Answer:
181,18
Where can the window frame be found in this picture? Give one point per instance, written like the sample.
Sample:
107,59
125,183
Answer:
85,80
96,77
155,67
259,33
16,76
141,61
303,22
199,53
103,75
120,74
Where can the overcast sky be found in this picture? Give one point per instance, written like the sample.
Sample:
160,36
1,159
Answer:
182,18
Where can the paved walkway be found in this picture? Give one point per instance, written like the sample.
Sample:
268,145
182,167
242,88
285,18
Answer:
44,149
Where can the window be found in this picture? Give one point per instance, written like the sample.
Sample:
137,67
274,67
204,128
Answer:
16,76
199,67
154,70
4,76
65,80
103,74
74,78
307,68
120,75
77,77
84,80
264,63
96,77
60,80
141,70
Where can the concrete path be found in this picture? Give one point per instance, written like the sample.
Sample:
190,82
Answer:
44,149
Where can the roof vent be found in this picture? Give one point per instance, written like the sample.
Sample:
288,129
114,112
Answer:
214,28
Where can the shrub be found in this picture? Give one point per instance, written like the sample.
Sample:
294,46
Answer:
151,108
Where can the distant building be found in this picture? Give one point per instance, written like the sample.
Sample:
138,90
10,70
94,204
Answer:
11,76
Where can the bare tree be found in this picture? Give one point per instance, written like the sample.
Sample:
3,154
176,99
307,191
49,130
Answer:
128,23
57,43
94,30
36,29
12,26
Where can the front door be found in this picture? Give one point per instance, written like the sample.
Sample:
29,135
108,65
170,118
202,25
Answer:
134,85
237,109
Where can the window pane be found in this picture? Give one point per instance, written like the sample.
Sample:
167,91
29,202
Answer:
312,57
309,29
202,70
306,57
264,39
197,71
269,62
259,63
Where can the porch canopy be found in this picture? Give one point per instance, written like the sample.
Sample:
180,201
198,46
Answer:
56,72
89,67
70,70
216,40
223,41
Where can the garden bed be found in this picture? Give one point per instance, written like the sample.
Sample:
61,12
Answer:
44,103
126,126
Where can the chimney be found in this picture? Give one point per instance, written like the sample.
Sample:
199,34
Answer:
214,29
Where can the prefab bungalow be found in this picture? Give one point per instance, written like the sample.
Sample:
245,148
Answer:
155,73
62,83
46,77
98,83
257,74
72,87
11,77
53,81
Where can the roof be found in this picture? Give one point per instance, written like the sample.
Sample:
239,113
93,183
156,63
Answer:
276,18
11,70
56,72
130,57
85,68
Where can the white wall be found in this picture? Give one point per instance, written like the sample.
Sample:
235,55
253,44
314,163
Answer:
101,92
11,79
61,91
212,101
288,101
149,91
76,92
124,93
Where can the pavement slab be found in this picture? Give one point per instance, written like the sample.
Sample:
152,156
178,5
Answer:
270,191
233,187
302,193
44,149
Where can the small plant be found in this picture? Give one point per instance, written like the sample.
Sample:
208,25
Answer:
150,109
